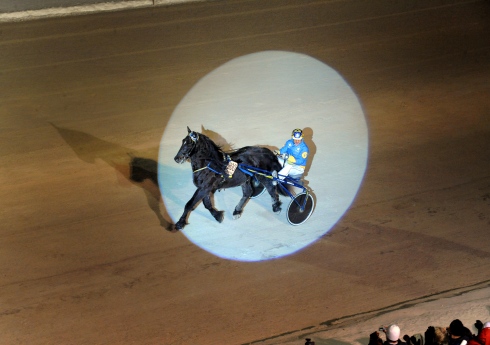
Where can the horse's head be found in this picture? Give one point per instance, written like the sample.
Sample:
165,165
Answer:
189,143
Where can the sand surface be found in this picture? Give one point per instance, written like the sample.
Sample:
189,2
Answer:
85,254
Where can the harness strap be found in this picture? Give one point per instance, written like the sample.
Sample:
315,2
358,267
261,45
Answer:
195,171
245,171
208,167
216,172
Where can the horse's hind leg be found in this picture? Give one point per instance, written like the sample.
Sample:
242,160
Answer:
247,193
218,215
272,189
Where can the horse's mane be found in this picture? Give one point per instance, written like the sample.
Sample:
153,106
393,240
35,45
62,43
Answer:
215,151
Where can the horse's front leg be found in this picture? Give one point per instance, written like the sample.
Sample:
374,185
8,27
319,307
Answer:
247,193
218,215
199,194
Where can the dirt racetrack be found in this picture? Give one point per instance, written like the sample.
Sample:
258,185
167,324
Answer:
85,254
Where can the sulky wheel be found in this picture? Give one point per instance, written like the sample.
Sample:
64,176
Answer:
300,209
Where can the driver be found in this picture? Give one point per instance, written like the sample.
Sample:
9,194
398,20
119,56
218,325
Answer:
293,156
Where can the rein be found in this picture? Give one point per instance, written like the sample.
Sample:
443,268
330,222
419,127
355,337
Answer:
195,171
230,168
208,167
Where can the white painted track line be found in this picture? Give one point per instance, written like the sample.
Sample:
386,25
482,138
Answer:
85,9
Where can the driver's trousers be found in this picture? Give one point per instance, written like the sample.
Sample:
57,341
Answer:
293,170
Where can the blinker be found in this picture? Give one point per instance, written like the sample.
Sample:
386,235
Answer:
193,136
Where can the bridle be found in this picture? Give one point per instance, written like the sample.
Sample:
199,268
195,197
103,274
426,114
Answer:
194,138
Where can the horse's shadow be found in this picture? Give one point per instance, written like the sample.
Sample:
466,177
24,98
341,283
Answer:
141,171
218,139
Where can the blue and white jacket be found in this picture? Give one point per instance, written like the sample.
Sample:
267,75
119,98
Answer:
298,154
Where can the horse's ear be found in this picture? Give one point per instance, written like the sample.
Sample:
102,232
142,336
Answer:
188,130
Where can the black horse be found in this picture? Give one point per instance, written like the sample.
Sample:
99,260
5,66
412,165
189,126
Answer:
209,165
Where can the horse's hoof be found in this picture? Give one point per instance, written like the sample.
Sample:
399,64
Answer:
179,226
237,214
220,216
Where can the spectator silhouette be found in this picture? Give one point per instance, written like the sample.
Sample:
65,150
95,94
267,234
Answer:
436,336
414,339
392,336
374,339
458,333
483,336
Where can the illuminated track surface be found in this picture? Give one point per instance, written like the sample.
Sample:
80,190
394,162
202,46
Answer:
85,101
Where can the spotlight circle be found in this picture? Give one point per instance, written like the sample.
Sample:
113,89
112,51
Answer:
258,99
